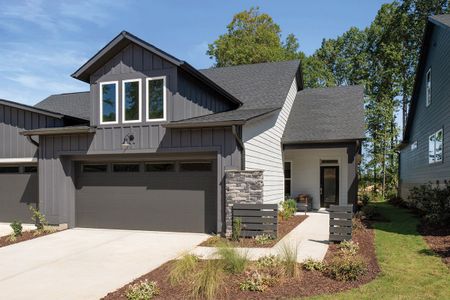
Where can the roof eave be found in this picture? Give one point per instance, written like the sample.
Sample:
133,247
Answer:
204,124
31,109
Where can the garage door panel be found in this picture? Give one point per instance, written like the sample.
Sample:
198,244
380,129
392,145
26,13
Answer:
16,192
167,201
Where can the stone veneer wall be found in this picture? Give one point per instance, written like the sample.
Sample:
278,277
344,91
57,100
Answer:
241,186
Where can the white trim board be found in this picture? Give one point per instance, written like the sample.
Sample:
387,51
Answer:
18,160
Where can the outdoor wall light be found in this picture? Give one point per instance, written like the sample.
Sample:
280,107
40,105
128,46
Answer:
128,140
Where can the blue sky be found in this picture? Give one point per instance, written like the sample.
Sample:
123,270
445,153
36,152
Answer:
43,42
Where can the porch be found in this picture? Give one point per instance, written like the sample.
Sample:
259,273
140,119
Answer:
326,173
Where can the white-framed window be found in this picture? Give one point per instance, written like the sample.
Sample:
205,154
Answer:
428,87
287,178
414,146
131,100
435,147
109,102
156,101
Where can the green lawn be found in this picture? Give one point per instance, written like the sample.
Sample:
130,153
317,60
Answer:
409,268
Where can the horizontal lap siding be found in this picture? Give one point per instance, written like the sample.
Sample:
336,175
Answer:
262,141
414,166
12,122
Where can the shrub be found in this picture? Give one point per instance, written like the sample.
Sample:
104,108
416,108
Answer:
208,280
289,260
369,212
17,228
398,201
269,261
183,268
357,222
256,282
38,219
233,261
348,248
365,199
431,202
264,239
236,230
346,268
313,265
143,290
288,208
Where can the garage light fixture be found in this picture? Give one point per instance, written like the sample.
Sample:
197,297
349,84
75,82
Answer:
128,140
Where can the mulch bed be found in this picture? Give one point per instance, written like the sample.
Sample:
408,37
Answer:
438,239
307,284
26,235
284,227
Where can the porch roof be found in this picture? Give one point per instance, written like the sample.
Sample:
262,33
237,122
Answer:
326,115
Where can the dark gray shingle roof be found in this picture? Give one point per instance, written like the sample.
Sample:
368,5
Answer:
442,19
76,105
326,114
237,116
263,85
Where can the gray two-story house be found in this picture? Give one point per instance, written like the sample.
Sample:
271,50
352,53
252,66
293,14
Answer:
425,151
156,144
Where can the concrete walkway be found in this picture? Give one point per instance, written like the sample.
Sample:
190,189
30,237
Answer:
310,238
85,263
5,228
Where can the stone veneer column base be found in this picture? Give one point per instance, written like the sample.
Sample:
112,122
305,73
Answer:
241,186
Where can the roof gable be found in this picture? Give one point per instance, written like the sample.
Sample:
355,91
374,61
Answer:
326,115
438,20
123,40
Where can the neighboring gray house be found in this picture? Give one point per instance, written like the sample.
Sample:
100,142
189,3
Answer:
425,151
159,145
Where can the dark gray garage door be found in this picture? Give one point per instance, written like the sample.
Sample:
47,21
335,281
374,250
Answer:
166,196
18,188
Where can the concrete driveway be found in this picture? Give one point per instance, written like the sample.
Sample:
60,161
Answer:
86,263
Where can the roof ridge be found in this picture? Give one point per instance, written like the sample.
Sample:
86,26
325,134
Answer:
255,64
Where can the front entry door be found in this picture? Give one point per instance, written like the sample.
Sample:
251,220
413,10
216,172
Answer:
329,186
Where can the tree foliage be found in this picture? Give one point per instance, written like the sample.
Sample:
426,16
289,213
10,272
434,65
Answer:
382,57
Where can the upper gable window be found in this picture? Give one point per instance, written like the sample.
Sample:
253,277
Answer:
428,87
156,99
131,100
109,104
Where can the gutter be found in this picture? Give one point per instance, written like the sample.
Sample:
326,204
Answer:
241,145
58,130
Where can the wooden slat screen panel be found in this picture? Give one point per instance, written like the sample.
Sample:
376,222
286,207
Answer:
257,219
341,222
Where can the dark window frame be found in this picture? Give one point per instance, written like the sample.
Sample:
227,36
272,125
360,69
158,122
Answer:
172,169
113,169
193,163
94,164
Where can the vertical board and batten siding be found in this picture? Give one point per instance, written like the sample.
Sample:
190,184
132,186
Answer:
12,122
263,151
186,98
55,165
414,166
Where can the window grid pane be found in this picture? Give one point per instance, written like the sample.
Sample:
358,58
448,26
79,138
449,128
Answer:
121,168
109,113
131,100
155,99
159,167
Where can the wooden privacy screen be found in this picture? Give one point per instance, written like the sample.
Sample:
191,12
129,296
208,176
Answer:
257,219
341,222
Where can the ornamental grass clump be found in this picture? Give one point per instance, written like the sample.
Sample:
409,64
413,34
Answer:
207,281
183,268
233,261
288,255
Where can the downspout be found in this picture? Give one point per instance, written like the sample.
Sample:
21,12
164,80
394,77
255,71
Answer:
241,145
30,139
